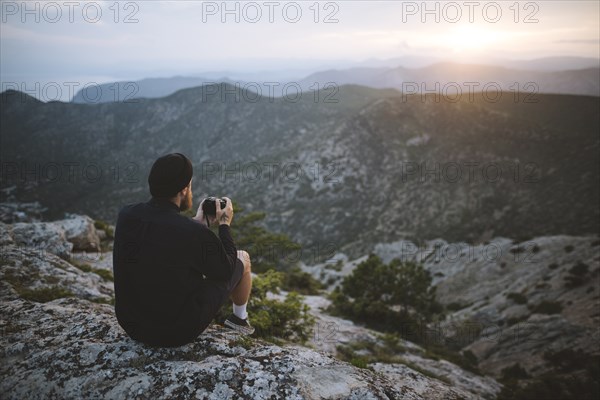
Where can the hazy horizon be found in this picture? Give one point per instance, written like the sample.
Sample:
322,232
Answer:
105,43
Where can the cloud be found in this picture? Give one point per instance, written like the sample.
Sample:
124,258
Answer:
579,41
171,38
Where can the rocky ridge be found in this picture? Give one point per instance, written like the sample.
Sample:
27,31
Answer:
60,339
370,166
507,302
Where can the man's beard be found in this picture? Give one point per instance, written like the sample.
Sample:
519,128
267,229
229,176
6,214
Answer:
186,204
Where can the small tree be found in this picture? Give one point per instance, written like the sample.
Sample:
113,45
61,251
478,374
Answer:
374,289
267,250
412,288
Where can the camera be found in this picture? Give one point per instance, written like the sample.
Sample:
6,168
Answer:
209,207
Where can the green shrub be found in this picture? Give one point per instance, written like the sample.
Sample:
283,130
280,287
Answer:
102,300
243,341
568,360
470,357
301,282
541,285
331,280
516,320
548,307
51,279
577,275
274,319
517,298
389,349
514,372
455,306
575,375
336,267
579,269
466,359
391,342
20,284
44,295
85,267
104,273
425,372
370,292
99,224
359,362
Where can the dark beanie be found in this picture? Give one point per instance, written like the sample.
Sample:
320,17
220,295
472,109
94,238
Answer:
169,175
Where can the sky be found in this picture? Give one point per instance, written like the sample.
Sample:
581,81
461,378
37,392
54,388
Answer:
103,41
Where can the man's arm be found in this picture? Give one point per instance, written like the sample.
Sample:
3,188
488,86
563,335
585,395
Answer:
219,254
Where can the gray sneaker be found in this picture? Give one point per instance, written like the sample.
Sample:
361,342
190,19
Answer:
241,325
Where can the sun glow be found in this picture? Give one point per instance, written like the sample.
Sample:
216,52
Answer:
467,39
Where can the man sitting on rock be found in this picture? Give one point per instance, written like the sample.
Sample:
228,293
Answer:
172,273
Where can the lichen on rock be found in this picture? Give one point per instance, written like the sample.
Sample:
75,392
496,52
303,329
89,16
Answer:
72,347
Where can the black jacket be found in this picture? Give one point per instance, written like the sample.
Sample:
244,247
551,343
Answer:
160,261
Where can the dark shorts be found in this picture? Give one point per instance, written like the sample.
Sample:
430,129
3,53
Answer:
216,293
238,271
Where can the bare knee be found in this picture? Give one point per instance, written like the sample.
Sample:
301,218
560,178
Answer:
245,257
248,266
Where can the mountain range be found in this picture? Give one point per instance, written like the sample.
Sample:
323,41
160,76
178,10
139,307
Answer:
566,75
341,173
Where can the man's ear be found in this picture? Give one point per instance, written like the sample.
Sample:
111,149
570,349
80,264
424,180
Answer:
184,191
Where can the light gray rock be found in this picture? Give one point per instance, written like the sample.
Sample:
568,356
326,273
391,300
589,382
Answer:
331,331
11,212
41,236
73,348
27,268
80,230
77,232
333,271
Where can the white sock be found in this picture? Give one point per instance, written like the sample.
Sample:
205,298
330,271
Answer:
240,311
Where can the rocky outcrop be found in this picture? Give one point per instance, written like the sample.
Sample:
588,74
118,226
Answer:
41,236
76,232
60,339
12,212
71,348
508,303
80,230
523,300
331,331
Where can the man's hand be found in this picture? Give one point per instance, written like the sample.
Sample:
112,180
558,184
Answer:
201,218
225,215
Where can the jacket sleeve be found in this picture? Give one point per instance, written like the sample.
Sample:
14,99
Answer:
218,254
